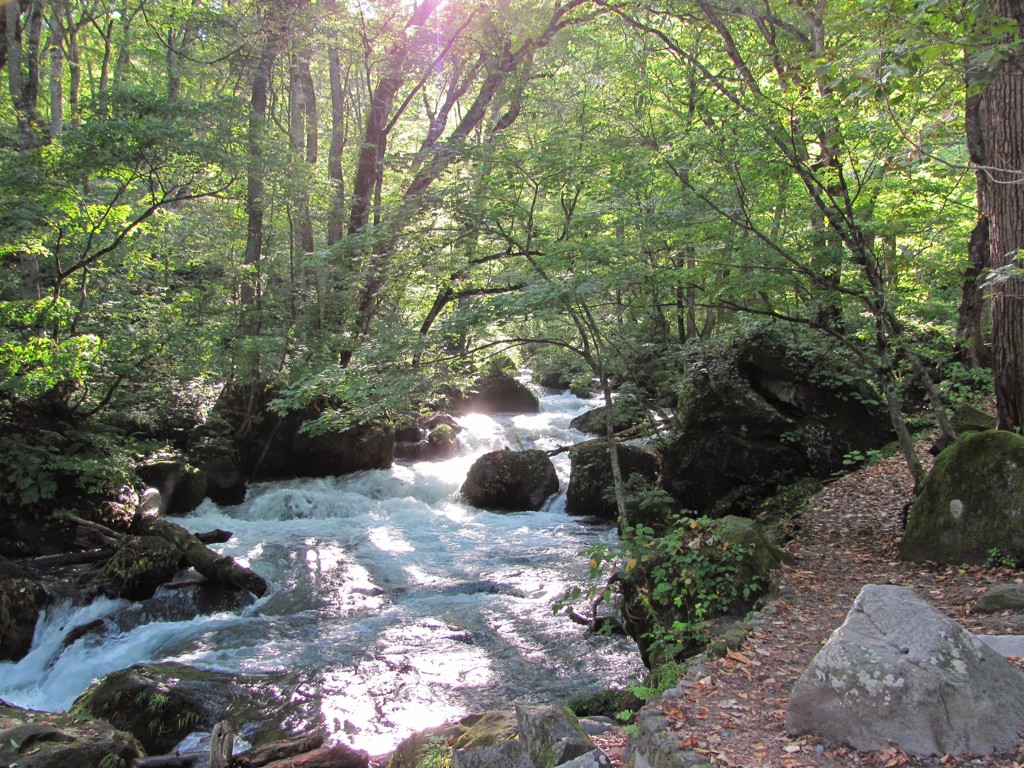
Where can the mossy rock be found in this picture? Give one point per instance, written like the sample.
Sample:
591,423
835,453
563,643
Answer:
140,565
511,480
483,729
971,503
30,739
498,393
590,478
968,418
761,412
160,704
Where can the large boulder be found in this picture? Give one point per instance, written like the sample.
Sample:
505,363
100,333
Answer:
30,739
434,438
139,566
757,414
182,487
267,444
510,480
498,393
898,672
590,477
22,599
971,503
552,735
160,704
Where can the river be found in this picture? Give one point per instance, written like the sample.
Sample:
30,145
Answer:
404,606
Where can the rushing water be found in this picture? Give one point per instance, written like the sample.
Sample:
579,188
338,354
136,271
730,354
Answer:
402,605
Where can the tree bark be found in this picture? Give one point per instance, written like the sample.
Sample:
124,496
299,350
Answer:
1002,110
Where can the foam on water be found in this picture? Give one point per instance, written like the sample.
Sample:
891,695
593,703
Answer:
404,605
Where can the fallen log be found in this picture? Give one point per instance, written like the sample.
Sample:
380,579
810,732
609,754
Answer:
67,558
257,757
168,761
199,556
340,756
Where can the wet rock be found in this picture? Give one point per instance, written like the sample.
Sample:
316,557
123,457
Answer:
1001,597
511,480
498,393
139,566
31,739
22,599
590,478
970,504
551,735
898,672
160,704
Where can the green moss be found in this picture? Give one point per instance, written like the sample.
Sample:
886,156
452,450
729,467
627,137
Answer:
971,502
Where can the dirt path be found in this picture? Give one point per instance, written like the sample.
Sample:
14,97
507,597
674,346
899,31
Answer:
735,714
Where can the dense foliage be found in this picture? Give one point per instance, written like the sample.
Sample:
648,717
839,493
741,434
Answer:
358,203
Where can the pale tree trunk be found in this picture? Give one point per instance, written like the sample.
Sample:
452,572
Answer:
1002,111
56,76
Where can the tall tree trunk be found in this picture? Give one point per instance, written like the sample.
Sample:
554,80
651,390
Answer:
335,167
249,292
56,76
1002,109
969,338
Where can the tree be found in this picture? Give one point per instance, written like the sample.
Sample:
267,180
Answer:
1002,131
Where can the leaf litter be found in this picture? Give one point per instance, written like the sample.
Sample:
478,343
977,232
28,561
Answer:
847,538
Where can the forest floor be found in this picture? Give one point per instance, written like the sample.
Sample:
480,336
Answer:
735,713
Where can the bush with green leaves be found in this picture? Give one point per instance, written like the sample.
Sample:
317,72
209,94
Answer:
667,584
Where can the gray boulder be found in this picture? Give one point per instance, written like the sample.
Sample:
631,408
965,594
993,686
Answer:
593,759
552,735
971,503
510,480
899,672
507,754
1004,645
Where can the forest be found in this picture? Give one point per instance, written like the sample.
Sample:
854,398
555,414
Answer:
220,215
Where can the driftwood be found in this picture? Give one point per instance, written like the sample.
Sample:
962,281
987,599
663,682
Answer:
167,761
339,756
67,558
279,750
204,560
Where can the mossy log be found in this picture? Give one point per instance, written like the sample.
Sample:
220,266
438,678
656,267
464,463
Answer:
199,556
281,750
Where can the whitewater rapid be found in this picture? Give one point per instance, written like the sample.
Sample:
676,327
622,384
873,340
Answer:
402,605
